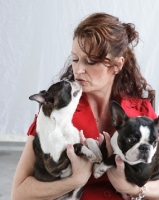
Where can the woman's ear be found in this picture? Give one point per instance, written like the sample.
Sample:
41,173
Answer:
119,64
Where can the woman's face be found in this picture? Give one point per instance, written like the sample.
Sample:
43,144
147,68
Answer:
92,76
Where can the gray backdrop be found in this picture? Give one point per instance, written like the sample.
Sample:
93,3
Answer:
36,38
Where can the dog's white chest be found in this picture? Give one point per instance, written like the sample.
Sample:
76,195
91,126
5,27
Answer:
54,138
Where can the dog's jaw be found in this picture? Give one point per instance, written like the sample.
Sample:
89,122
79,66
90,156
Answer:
134,155
143,151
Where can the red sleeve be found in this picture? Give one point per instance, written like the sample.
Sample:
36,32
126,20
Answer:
148,110
138,107
32,128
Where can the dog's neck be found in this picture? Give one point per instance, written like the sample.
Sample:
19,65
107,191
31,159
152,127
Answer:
62,116
59,128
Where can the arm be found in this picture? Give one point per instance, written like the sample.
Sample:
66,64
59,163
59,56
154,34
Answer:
25,186
117,175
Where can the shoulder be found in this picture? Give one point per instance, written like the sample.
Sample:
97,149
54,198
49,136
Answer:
32,128
138,107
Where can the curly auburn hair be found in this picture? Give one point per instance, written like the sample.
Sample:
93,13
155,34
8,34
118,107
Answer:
104,34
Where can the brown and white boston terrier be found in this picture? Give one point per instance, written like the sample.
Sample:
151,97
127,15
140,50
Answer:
54,130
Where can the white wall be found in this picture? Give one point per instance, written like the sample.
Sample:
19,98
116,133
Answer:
35,40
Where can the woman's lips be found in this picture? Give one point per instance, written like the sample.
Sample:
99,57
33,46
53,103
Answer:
80,80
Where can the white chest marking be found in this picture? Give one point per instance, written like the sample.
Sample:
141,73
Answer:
54,138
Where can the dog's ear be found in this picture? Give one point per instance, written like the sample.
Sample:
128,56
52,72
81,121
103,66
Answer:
156,122
40,97
118,115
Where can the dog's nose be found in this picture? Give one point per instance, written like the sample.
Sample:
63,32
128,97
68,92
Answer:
144,148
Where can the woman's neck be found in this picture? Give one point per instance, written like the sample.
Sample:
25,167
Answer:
99,103
100,107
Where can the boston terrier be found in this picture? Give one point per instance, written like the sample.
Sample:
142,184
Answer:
54,130
136,142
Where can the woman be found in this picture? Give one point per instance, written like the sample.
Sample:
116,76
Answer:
103,62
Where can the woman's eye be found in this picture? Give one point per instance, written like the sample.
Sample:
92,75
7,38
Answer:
87,62
155,143
75,60
90,63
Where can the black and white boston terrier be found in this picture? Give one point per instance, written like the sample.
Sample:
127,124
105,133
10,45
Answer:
54,130
136,142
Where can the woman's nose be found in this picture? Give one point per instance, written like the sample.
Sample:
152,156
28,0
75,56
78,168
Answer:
80,68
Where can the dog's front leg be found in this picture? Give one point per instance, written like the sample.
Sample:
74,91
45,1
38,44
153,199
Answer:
62,167
100,169
56,168
80,149
92,145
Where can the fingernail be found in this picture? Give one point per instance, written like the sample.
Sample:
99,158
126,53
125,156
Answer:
118,158
69,145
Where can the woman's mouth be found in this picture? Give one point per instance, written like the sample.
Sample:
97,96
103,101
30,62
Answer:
80,80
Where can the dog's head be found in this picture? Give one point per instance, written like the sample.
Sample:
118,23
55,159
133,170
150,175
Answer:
137,136
59,96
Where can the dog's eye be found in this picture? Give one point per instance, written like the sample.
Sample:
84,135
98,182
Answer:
155,143
131,140
75,93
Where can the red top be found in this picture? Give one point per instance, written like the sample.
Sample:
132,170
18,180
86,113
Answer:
83,119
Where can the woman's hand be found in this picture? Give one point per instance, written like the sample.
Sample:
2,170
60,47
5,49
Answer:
81,167
108,145
116,174
117,178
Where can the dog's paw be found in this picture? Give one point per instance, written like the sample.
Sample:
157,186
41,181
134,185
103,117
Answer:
89,154
99,170
92,145
92,157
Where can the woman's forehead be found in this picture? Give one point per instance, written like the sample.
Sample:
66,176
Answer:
76,49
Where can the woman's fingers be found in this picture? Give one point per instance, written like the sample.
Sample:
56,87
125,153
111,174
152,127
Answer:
78,164
120,166
100,139
108,144
82,138
70,153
